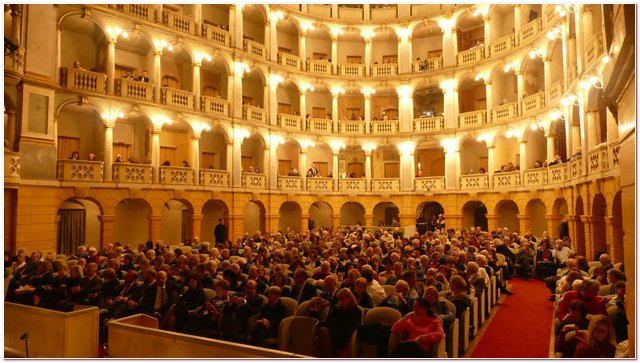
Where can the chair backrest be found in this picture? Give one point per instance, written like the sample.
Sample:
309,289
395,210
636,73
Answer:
185,249
451,306
296,334
303,309
604,290
377,299
382,314
61,257
290,304
209,294
594,264
264,299
389,289
501,259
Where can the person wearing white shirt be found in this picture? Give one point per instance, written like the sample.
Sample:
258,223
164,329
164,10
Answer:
561,253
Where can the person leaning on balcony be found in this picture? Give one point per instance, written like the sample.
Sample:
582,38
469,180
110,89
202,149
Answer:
144,77
185,164
166,163
76,65
119,159
91,157
129,75
556,160
75,156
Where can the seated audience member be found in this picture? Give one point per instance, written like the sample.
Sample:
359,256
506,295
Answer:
303,288
588,294
598,342
363,297
144,77
157,297
86,292
400,299
48,296
439,307
269,319
524,258
617,311
418,331
335,332
193,298
241,308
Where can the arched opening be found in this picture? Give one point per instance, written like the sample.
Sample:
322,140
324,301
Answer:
501,24
213,150
430,211
351,106
385,213
254,217
320,156
134,55
253,89
352,213
131,225
472,95
80,129
252,154
350,55
617,246
507,153
536,212
428,101
474,214
351,162
290,216
529,13
599,234
426,43
85,42
79,224
318,52
132,138
288,157
558,130
384,51
253,21
474,157
287,38
212,211
318,108
216,15
470,29
385,162
536,147
176,72
176,222
556,70
384,105
288,97
533,76
507,214
322,213
429,159
213,79
175,144
579,241
504,90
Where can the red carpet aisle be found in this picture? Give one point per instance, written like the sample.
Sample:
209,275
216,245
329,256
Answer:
521,327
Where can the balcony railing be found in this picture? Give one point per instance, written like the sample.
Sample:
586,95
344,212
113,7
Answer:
531,29
289,183
320,184
471,119
136,90
177,98
15,61
385,185
253,113
506,180
142,11
555,91
558,173
11,167
614,154
550,15
429,64
426,124
385,127
474,181
319,66
254,181
535,177
352,127
533,103
132,173
214,105
384,13
216,35
575,167
290,122
598,159
352,185
470,55
323,10
593,49
178,22
351,70
429,184
214,178
384,70
350,13
80,170
503,44
290,60
176,175
82,80
254,48
504,112
321,125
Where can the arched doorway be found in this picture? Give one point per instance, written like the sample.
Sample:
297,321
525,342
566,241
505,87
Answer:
212,211
385,213
474,214
290,216
79,224
598,232
536,211
176,222
430,211
254,216
131,225
321,213
352,213
579,242
507,213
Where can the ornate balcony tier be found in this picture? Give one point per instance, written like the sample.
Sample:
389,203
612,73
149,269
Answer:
290,60
254,181
385,185
352,127
530,30
177,98
253,113
429,64
474,181
593,49
470,56
323,10
503,44
558,173
504,112
176,175
532,104
575,167
216,35
384,13
385,127
426,124
351,70
350,13
614,154
135,90
535,177
356,185
598,159
80,170
11,167
142,11
290,122
429,184
319,66
82,80
321,125
214,178
132,173
555,91
318,184
254,48
472,119
509,179
384,70
178,22
216,106
289,183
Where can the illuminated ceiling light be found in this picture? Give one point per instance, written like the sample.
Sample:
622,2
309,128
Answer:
569,99
590,81
606,59
509,67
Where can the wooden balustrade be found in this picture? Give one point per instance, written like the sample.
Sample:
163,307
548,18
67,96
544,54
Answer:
255,48
318,184
290,122
132,173
176,175
385,185
352,185
504,112
214,105
470,55
321,125
82,80
253,113
532,104
254,180
178,21
132,89
80,170
426,124
214,178
503,44
389,127
384,70
531,29
290,60
474,181
216,35
471,119
289,183
177,98
352,127
351,70
319,66
429,184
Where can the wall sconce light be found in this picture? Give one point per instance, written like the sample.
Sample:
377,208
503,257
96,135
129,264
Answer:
306,26
367,91
404,92
335,32
368,34
554,33
556,115
481,10
590,81
536,125
446,24
509,67
536,53
275,79
305,144
240,134
569,100
562,10
407,147
277,15
275,140
116,32
448,85
304,87
337,90
241,67
336,145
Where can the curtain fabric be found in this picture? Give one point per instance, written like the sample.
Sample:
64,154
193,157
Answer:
71,230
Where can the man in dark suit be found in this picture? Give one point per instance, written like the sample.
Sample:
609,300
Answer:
303,289
118,306
313,171
158,296
144,77
241,309
220,232
311,224
564,229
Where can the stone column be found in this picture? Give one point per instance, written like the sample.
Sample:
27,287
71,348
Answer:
303,108
196,84
335,220
155,155
302,49
520,80
524,223
272,42
553,226
450,108
334,112
196,225
16,22
236,169
110,65
335,171
407,178
593,137
155,225
454,45
453,220
492,222
367,110
367,12
195,159
236,25
615,234
367,170
108,151
106,229
579,38
450,168
157,75
272,107
58,54
367,56
236,100
302,167
197,17
551,145
547,74
334,54
588,236
448,48
491,155
489,100
487,37
523,155
229,159
272,174
517,24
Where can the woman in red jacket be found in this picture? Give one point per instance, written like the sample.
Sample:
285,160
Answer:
419,331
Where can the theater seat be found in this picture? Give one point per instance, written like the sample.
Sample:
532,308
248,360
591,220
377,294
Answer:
303,310
290,304
383,315
437,350
296,334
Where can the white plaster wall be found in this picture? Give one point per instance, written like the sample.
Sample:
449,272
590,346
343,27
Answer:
422,45
88,128
318,45
216,13
537,211
506,151
349,49
470,155
253,147
383,48
508,217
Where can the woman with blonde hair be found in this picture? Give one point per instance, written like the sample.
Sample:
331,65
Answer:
600,340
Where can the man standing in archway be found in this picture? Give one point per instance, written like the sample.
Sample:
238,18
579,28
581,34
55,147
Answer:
220,233
421,225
